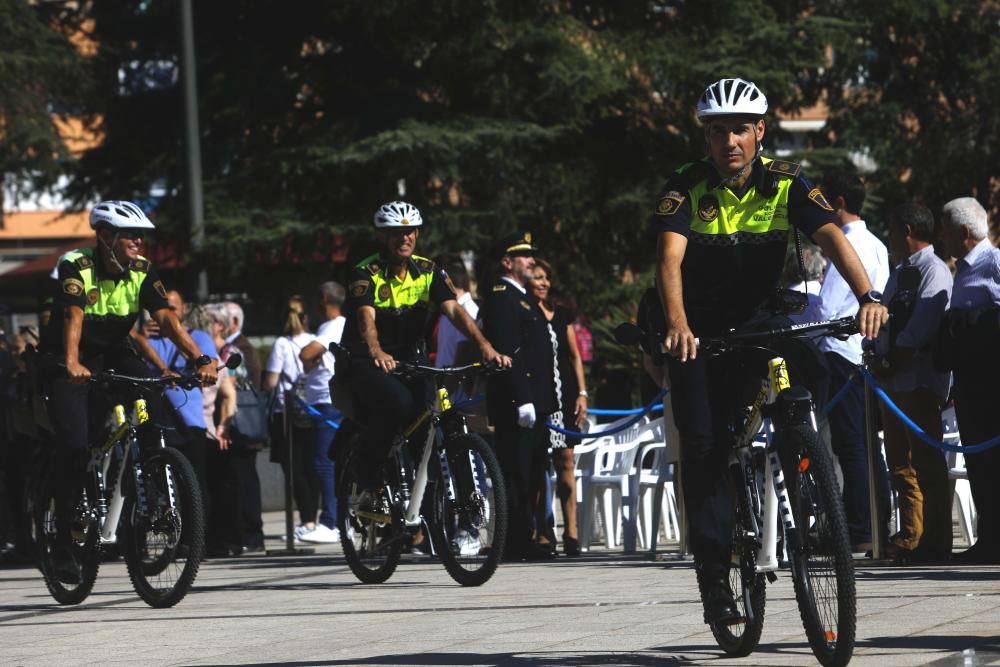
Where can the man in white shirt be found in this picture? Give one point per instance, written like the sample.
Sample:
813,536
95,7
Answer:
319,363
846,193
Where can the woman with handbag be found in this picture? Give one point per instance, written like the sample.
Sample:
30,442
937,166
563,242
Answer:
284,376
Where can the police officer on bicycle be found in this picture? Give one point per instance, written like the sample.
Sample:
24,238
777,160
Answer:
721,227
100,292
389,305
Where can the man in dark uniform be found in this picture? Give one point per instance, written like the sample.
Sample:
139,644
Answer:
101,291
519,401
721,227
389,305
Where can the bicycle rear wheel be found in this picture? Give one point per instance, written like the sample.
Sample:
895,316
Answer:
84,545
366,520
470,510
820,551
749,588
163,538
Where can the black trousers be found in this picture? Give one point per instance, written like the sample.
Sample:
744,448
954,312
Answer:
386,404
78,413
305,483
522,453
977,399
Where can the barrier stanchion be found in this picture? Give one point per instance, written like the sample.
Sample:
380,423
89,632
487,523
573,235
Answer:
873,452
289,433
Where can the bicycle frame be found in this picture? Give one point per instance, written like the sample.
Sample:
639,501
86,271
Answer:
124,433
775,492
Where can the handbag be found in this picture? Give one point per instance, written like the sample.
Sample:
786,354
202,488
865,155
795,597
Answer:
249,424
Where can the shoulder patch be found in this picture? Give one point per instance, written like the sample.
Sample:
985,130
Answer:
670,203
72,286
374,268
425,265
141,265
816,196
83,262
499,288
785,168
525,304
359,288
160,289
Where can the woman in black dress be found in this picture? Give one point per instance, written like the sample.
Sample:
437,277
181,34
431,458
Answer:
571,397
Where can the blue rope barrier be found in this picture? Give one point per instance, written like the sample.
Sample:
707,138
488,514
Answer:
618,429
621,413
962,449
316,413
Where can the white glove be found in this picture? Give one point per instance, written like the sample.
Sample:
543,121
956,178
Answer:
526,415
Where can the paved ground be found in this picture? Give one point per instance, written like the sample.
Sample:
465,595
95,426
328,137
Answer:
602,609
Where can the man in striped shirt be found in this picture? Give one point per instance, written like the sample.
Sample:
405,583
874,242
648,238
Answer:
974,323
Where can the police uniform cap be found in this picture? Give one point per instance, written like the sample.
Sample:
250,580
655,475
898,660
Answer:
516,245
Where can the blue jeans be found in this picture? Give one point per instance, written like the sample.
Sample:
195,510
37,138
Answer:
325,470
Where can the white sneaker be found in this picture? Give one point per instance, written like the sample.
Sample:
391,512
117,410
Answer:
464,544
301,530
321,535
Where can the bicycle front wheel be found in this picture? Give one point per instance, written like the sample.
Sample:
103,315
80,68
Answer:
67,585
163,528
366,525
820,552
470,510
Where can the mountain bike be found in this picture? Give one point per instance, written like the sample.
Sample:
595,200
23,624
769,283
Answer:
788,474
455,490
142,496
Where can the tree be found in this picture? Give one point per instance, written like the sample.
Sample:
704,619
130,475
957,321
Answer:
918,86
563,117
42,78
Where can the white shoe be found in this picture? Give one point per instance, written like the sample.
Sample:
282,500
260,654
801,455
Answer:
464,544
321,535
301,530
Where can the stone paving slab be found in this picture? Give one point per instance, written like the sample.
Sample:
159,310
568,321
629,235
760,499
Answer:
602,609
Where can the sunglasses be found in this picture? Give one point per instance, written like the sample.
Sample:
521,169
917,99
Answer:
130,234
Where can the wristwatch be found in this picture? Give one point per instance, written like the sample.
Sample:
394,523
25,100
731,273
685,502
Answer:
203,360
871,296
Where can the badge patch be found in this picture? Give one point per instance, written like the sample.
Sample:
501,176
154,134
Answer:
816,196
73,287
670,203
383,292
708,208
499,288
92,296
359,288
525,305
160,289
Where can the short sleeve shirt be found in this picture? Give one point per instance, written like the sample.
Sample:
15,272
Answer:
727,277
100,334
404,308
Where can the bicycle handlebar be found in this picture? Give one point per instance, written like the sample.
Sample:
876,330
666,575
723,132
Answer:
844,326
184,381
408,367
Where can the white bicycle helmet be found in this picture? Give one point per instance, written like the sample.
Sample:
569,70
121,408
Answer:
398,214
119,214
729,97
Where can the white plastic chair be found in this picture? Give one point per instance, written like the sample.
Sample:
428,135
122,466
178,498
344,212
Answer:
959,477
659,473
609,476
